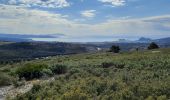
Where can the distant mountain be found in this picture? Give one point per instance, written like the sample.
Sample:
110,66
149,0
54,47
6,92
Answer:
126,45
14,39
159,41
163,40
25,37
124,41
144,40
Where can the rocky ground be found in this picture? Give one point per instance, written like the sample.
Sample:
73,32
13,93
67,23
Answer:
4,91
11,91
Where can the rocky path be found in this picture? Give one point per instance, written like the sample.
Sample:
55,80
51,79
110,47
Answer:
4,91
12,92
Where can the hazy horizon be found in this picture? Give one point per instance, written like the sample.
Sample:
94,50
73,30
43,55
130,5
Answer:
109,39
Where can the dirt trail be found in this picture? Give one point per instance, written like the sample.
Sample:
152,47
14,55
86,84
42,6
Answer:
3,91
12,92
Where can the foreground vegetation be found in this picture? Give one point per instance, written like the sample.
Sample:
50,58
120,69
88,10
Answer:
98,76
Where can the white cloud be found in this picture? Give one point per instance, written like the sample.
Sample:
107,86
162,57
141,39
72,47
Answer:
40,3
88,13
20,20
114,3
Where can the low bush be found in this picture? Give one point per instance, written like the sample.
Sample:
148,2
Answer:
118,65
47,72
153,46
59,69
5,79
115,49
74,95
31,71
107,64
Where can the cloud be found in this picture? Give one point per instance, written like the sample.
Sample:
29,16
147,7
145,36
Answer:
88,13
39,3
14,19
114,3
21,20
31,36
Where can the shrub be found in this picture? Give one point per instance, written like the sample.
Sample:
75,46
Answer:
153,46
4,79
47,72
59,69
74,95
35,88
17,83
115,49
162,97
31,71
118,65
107,64
74,70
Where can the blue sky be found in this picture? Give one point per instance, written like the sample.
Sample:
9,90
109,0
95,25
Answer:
86,20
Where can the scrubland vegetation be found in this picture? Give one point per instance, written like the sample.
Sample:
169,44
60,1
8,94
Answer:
142,75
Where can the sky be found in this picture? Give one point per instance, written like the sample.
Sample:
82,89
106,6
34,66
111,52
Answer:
86,20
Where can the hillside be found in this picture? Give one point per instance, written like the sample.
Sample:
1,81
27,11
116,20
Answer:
30,50
3,42
100,76
20,51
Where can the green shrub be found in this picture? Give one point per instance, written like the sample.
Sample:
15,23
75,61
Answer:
59,69
162,97
17,83
47,72
118,65
107,64
74,95
115,49
153,46
35,88
5,79
31,71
